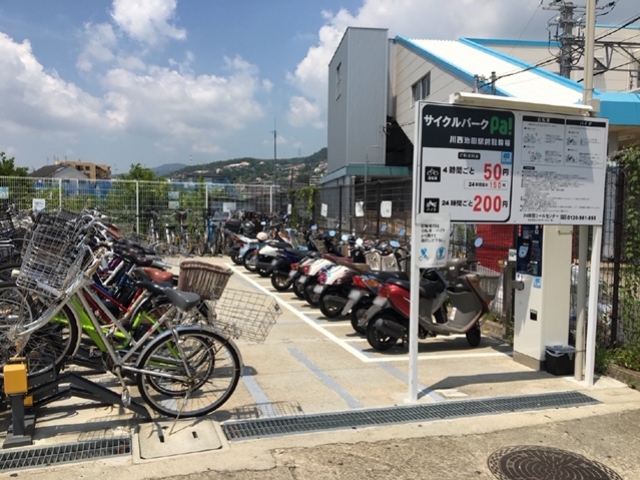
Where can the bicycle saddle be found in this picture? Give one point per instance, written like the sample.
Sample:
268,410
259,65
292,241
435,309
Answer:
137,259
183,300
155,288
158,276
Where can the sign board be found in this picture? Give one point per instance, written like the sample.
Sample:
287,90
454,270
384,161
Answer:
4,193
484,165
359,209
324,210
433,240
174,205
228,206
385,209
38,204
174,195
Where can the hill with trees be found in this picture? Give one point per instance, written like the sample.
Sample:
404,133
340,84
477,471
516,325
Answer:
260,171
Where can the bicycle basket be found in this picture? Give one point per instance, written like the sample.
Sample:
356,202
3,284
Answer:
246,315
54,257
205,279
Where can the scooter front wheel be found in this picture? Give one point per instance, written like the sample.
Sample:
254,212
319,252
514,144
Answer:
298,290
250,260
329,311
474,336
234,257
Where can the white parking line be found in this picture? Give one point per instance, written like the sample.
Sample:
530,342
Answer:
344,343
304,317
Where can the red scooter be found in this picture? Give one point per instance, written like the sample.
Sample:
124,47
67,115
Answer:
469,295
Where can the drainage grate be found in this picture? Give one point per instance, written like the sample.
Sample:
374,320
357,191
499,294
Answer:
67,453
269,427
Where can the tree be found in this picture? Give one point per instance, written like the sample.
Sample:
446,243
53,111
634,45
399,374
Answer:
9,169
138,172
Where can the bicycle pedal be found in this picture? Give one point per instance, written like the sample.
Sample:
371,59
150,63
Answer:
94,352
126,397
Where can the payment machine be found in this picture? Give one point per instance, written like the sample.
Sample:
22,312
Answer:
542,294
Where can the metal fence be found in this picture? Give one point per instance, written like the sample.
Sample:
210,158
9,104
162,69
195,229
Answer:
129,202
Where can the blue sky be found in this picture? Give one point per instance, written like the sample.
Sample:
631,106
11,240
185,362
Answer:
160,81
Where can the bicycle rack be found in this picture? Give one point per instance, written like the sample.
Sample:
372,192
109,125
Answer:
27,395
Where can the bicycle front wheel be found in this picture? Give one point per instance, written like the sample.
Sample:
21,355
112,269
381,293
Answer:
49,347
188,373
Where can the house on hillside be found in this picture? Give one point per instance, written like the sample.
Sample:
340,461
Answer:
66,172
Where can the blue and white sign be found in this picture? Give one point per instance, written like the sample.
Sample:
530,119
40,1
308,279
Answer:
433,239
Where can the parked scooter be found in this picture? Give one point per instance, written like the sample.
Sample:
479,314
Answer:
468,300
335,285
281,268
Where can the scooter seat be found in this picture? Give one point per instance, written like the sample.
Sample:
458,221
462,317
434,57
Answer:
381,275
359,267
277,244
297,253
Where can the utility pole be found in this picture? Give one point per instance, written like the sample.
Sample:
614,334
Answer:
274,187
565,24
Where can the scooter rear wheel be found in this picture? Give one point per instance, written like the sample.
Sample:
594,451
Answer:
378,340
358,310
235,259
310,296
280,283
327,310
263,272
298,290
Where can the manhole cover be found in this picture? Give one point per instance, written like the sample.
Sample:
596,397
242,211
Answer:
544,463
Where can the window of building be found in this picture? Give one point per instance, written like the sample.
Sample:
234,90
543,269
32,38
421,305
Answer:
338,80
422,88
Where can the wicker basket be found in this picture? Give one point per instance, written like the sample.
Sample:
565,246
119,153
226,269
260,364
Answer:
208,281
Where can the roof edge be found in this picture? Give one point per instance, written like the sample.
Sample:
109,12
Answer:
444,64
511,42
567,82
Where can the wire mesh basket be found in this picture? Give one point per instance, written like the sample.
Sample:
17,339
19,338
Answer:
7,227
205,279
489,285
54,256
246,315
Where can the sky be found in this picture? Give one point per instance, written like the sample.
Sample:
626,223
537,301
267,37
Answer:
178,81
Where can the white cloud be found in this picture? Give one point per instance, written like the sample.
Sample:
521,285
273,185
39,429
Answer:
303,112
147,21
205,147
100,41
164,101
37,100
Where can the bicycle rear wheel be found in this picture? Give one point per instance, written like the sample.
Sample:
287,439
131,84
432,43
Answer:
188,373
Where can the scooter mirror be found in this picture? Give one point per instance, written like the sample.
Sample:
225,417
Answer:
332,233
402,232
345,238
478,243
314,228
359,242
394,243
383,228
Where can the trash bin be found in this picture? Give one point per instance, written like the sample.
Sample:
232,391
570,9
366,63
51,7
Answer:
560,359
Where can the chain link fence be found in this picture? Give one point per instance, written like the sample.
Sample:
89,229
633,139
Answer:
129,203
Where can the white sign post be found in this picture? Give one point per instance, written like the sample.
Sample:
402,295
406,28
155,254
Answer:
324,210
490,165
228,207
38,204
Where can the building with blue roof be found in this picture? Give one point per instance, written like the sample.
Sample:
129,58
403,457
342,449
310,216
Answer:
375,81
